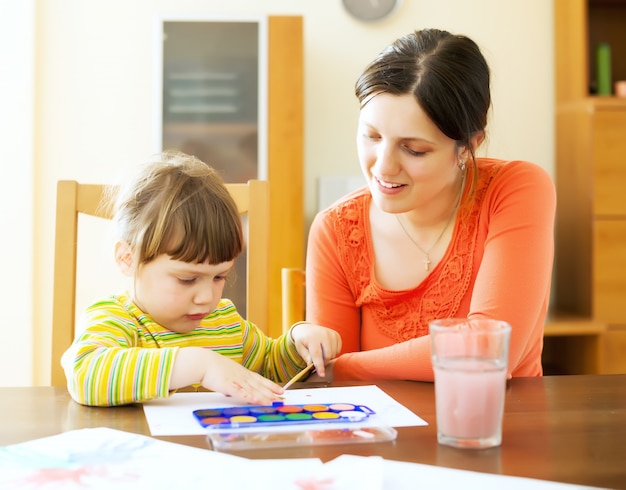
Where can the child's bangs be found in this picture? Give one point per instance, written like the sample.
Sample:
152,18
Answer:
210,240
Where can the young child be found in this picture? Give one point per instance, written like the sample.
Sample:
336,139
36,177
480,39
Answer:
179,233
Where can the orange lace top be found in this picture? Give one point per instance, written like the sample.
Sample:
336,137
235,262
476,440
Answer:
498,265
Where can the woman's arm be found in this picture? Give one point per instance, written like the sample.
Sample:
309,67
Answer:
329,299
513,281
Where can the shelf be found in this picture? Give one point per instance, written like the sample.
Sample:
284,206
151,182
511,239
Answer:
579,26
204,128
594,102
562,324
606,20
573,344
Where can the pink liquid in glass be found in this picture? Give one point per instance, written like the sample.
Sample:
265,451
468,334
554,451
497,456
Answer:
470,401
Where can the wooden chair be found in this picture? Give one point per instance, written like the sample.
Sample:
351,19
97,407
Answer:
74,199
293,296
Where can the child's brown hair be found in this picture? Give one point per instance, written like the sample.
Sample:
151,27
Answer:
179,206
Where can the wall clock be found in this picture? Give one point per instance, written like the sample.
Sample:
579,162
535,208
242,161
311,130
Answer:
370,10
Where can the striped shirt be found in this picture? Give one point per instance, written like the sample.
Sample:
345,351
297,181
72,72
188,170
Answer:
121,355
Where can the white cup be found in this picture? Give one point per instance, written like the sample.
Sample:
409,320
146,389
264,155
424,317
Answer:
470,359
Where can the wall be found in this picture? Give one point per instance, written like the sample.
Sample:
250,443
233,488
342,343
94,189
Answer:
94,112
17,81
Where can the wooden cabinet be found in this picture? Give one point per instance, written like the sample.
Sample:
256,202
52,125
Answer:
590,261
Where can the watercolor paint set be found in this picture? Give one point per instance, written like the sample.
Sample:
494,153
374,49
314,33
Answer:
282,414
288,425
238,440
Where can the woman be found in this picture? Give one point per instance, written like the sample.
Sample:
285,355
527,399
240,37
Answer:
437,232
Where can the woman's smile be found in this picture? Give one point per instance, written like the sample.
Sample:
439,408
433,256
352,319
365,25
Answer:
387,187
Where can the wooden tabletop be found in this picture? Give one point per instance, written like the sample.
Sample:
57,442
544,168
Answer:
569,429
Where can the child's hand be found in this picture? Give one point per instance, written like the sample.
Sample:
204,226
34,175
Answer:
223,375
316,344
328,375
226,376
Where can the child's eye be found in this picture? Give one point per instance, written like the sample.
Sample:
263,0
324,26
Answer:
219,278
186,282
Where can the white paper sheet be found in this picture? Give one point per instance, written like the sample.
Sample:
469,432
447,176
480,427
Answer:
103,458
174,416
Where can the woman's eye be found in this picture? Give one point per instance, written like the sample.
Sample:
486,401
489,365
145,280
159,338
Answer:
414,153
371,137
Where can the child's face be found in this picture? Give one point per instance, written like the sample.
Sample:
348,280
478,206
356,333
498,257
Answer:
178,295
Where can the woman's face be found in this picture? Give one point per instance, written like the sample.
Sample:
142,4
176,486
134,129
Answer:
405,158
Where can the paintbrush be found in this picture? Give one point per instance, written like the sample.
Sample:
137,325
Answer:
300,375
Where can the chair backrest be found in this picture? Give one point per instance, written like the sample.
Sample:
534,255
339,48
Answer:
293,296
74,199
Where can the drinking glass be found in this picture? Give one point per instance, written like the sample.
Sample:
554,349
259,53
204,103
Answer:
470,359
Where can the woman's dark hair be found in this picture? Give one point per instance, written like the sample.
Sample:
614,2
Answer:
446,73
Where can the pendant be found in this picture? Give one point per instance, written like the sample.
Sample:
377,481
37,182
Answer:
426,263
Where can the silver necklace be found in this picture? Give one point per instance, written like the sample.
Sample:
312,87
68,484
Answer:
426,253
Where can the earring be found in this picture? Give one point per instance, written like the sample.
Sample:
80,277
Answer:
462,165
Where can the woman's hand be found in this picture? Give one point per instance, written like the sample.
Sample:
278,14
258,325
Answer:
316,344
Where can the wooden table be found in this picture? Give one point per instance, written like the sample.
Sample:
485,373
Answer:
564,428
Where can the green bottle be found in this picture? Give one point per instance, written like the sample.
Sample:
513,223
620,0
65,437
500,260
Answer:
603,69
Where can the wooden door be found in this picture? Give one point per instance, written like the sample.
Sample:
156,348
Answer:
218,121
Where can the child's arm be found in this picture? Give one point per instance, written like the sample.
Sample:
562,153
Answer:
282,358
221,374
106,365
316,344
